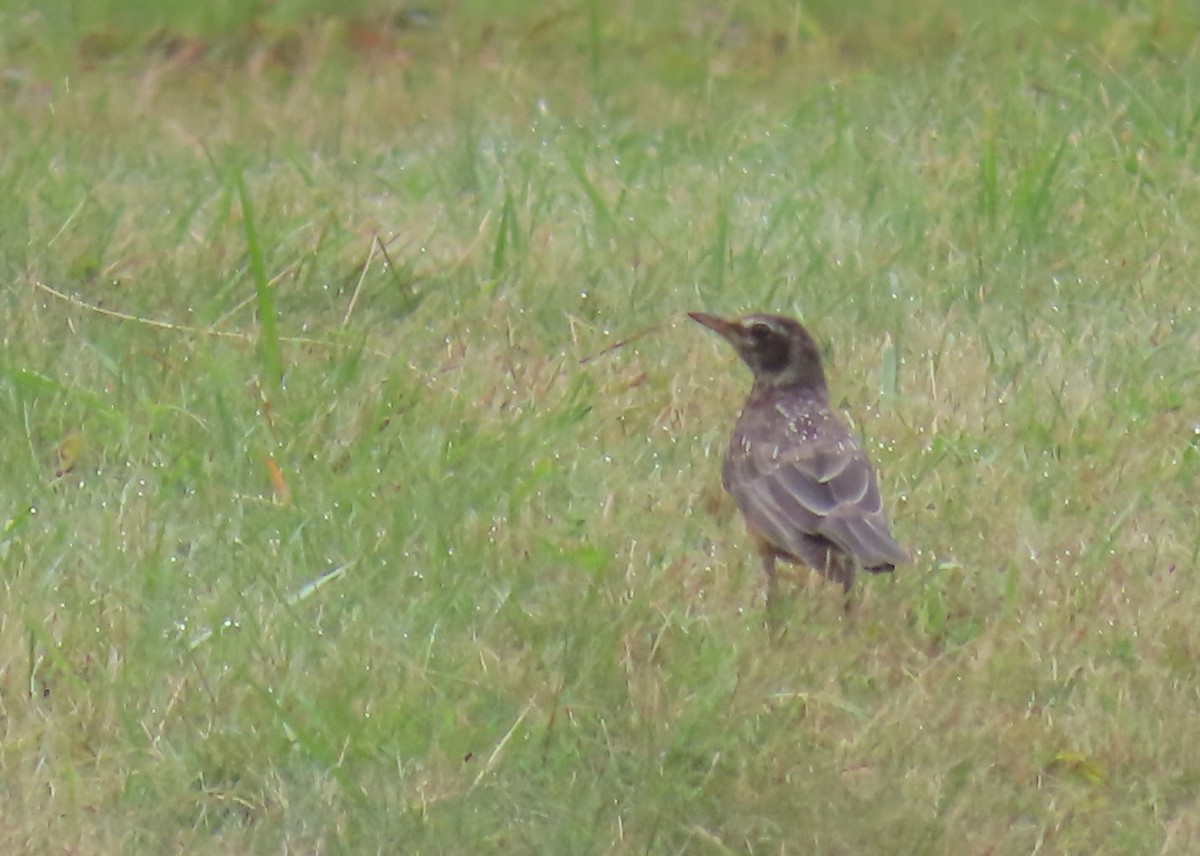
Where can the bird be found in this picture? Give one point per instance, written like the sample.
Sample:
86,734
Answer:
800,478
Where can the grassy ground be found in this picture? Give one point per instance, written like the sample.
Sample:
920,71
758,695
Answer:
361,492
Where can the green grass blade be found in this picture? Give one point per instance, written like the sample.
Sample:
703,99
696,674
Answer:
270,356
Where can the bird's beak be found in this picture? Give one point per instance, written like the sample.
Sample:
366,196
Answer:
728,329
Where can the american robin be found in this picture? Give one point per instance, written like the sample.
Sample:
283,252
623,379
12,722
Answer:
799,477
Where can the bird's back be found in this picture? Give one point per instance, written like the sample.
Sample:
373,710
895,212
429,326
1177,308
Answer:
797,473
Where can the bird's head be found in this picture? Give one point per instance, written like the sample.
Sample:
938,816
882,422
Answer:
778,350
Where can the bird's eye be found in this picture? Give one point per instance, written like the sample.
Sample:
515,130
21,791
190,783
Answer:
760,331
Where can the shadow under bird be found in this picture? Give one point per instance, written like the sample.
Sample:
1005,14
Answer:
802,481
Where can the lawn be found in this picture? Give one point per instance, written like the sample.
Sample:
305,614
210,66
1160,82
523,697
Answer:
362,484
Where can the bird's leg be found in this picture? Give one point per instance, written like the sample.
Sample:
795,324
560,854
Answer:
831,563
841,569
776,605
767,553
768,563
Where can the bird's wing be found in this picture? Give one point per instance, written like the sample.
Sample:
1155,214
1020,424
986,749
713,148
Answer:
818,483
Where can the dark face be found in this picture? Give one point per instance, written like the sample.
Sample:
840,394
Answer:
765,347
778,350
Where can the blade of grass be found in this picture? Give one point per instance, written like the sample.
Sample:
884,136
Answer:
1034,196
889,373
603,215
594,46
988,188
720,250
268,339
506,233
40,636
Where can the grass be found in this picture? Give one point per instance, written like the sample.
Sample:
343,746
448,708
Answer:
361,488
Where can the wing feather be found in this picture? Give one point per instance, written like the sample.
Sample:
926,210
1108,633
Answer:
811,479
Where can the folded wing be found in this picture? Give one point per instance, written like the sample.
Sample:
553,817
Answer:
816,482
